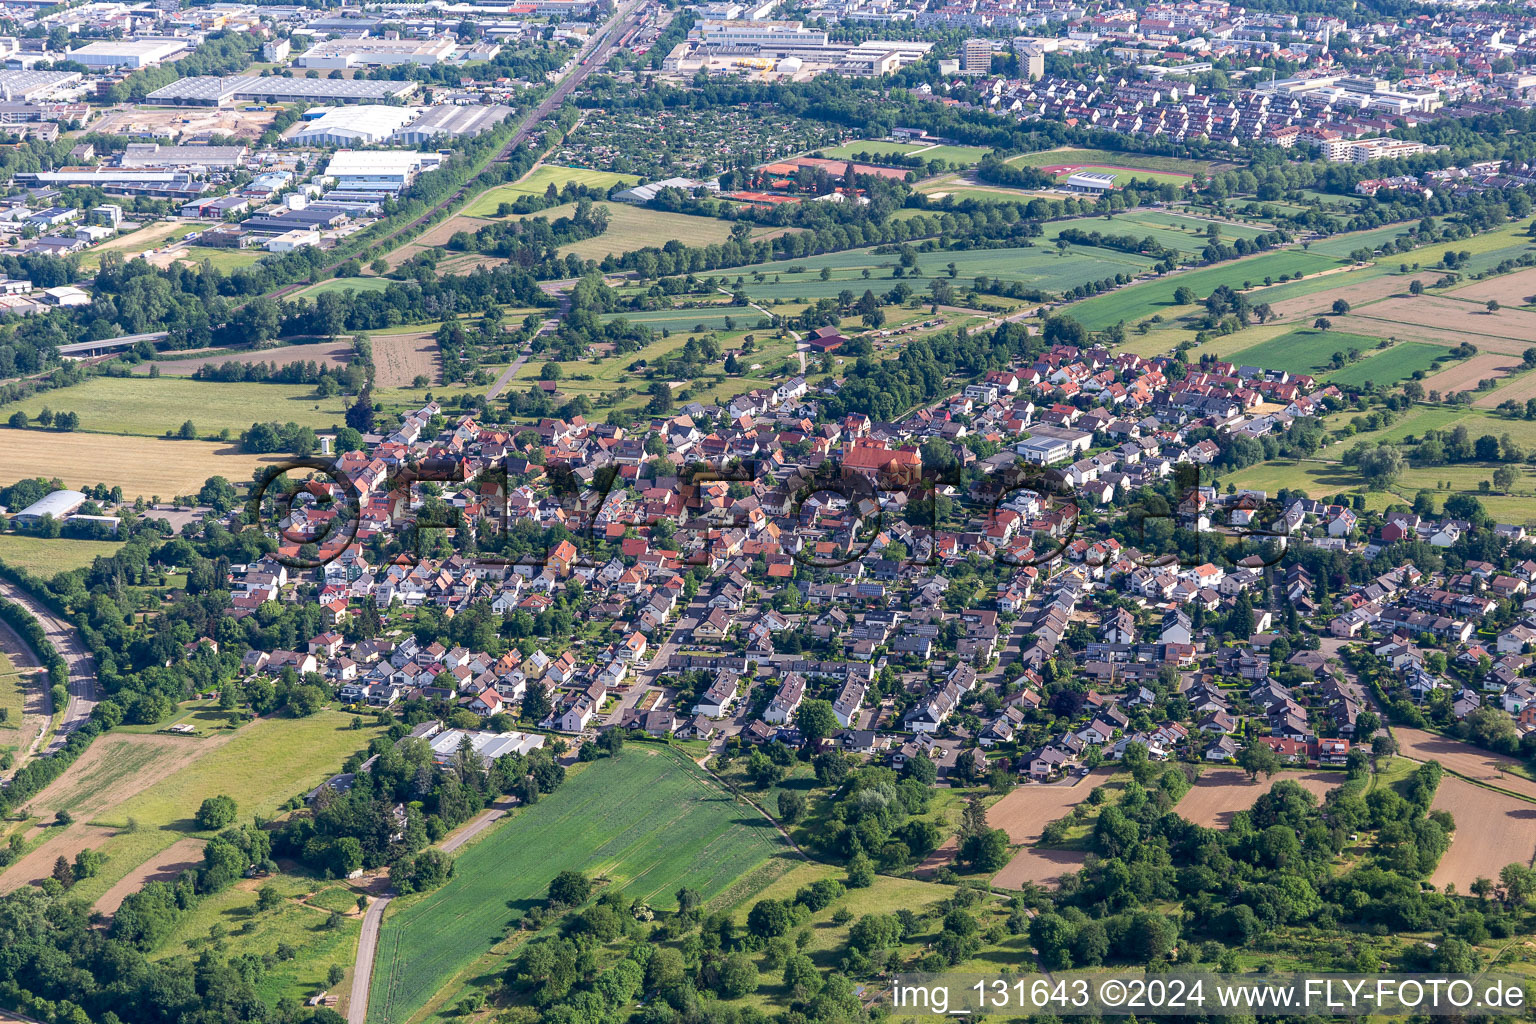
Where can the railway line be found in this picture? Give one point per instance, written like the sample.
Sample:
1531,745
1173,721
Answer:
593,55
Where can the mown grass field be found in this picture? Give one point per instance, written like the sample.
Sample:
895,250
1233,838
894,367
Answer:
676,320
648,822
874,147
148,407
1185,234
1038,266
538,180
636,227
344,284
1390,366
220,258
45,556
1302,351
1142,300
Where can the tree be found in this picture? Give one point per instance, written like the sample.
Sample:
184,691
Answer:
1504,478
268,898
1340,307
986,850
570,888
816,720
1415,287
334,975
1322,323
1492,305
188,431
63,872
215,813
770,918
763,770
861,871
737,977
1258,759
1380,466
791,806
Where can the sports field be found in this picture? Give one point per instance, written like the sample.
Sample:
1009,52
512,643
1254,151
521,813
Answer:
1390,366
148,407
1142,300
142,466
648,822
1110,158
1305,351
537,182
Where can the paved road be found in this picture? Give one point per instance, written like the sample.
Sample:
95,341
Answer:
71,647
368,941
362,971
507,375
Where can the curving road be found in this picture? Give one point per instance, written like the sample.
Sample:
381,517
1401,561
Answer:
71,647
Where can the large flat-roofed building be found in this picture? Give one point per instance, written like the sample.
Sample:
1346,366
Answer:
355,126
127,53
378,170
28,85
153,154
759,34
453,122
58,504
214,91
489,745
355,53
1090,181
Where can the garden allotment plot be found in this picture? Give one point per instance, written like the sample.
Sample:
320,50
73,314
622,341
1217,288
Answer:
1038,266
647,822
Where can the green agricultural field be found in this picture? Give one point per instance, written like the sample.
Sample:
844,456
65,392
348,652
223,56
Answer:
649,822
636,227
1305,350
44,556
150,406
1038,266
537,182
1142,300
1069,155
242,929
1389,366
